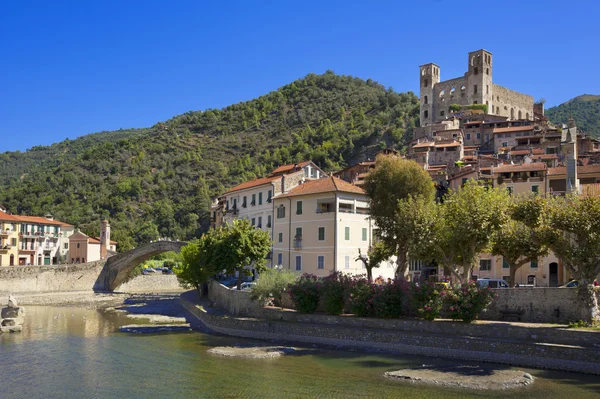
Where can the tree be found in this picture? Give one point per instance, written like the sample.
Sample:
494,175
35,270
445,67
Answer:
376,254
462,227
391,187
518,245
570,226
198,262
242,245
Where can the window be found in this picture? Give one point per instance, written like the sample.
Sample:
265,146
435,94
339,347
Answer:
280,237
505,264
464,181
487,89
244,202
425,100
298,233
320,262
321,233
347,262
425,82
441,113
487,71
509,190
279,258
13,242
260,198
364,234
298,262
535,189
533,264
253,221
268,220
347,233
298,207
425,114
269,195
280,212
505,144
485,264
260,221
478,136
468,136
474,89
78,245
235,203
253,200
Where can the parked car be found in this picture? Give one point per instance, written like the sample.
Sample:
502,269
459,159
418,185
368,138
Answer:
167,271
148,270
571,284
492,283
244,286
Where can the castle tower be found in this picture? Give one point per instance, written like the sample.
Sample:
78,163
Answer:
429,76
104,238
479,79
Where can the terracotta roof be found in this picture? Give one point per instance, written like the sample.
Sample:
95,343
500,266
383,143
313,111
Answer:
513,129
325,185
526,167
5,217
535,151
545,156
562,170
443,145
41,220
289,168
252,183
423,145
96,240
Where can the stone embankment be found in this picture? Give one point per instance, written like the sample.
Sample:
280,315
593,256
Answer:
551,347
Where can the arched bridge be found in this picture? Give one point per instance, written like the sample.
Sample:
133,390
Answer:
116,268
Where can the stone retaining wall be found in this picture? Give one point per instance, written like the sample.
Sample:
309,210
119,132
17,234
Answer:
151,283
233,301
464,347
56,278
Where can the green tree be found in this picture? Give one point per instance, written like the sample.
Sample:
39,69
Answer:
377,253
462,227
391,187
241,246
518,245
198,260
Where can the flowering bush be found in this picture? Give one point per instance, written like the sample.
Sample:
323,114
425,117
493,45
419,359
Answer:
305,293
389,299
332,292
360,297
468,301
427,299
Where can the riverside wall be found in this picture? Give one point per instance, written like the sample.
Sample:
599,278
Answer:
151,283
438,339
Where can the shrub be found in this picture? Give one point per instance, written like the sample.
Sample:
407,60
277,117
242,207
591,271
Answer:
389,299
454,107
468,301
305,293
333,292
272,283
360,297
169,264
427,300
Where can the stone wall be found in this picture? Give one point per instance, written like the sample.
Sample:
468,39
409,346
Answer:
57,278
151,283
510,99
233,301
539,305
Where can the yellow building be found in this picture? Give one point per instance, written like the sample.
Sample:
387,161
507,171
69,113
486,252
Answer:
9,239
319,227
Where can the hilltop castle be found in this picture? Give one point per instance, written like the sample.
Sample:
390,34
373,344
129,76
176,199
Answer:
475,87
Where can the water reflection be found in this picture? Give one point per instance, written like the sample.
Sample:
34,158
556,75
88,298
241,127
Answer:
77,353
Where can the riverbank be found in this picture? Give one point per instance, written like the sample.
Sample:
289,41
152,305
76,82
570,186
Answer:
525,350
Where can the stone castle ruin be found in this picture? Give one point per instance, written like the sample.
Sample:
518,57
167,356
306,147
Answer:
474,88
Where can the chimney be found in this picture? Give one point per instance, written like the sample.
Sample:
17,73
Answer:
104,238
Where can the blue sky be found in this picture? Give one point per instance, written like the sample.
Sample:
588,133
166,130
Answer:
70,68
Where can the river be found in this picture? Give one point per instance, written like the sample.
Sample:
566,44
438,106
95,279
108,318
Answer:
71,352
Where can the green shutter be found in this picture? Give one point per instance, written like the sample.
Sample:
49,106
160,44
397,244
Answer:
504,264
347,233
364,234
298,207
321,233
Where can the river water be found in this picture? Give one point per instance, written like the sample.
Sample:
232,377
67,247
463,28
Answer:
78,353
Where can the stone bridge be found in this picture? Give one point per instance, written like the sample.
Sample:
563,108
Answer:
116,268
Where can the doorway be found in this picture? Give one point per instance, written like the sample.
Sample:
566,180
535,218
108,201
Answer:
553,270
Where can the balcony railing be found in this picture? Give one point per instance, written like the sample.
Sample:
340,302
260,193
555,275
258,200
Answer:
298,243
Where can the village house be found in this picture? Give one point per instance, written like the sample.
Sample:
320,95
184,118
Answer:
89,249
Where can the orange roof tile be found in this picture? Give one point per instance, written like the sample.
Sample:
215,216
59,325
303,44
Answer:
289,168
534,151
325,185
526,167
562,170
252,183
442,145
96,240
513,129
6,217
41,220
423,145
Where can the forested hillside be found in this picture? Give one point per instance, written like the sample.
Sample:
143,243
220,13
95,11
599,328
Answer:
585,110
159,181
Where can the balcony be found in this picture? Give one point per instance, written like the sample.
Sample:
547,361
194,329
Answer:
253,203
298,242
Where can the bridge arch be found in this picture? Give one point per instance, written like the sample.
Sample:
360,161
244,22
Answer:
115,270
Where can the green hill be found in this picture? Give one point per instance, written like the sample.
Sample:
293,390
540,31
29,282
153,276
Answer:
159,181
585,110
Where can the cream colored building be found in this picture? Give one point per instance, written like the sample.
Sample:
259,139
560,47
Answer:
9,239
319,227
523,179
